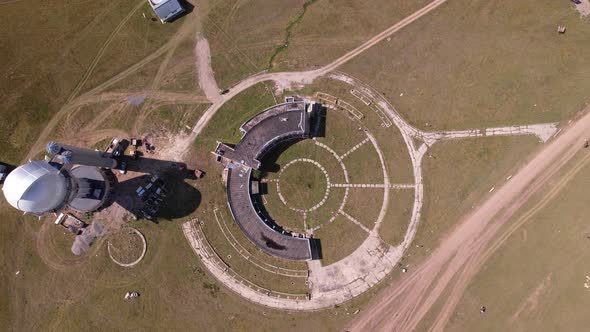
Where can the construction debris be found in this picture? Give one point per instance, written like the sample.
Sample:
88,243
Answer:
131,295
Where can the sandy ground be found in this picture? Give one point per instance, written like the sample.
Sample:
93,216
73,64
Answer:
584,7
403,305
206,77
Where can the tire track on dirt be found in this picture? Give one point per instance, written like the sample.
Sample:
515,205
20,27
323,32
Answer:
480,258
183,32
101,52
404,304
304,77
82,34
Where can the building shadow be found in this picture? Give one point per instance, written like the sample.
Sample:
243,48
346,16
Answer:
317,126
317,129
159,192
269,161
4,170
188,9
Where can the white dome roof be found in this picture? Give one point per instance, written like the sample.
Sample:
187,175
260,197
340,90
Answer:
36,187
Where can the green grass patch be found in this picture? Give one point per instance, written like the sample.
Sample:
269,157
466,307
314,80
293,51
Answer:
339,239
471,65
398,215
287,218
225,125
342,133
364,166
364,205
303,185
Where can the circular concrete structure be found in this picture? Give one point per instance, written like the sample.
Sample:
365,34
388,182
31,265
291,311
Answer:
141,256
326,190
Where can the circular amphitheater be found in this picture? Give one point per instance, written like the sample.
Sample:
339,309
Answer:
321,194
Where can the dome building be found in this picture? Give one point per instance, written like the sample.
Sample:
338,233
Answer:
42,186
36,187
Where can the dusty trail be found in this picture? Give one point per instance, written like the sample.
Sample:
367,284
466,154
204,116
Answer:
101,51
207,80
286,79
479,258
90,96
403,305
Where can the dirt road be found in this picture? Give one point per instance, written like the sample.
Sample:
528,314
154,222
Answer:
460,255
286,79
92,96
207,80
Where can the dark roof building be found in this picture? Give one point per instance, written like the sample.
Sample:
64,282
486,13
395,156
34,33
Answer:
263,132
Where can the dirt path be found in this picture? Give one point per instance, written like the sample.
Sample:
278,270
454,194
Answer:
207,80
479,257
101,51
91,95
286,79
403,305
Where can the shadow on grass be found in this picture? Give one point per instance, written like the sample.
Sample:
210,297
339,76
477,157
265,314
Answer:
160,193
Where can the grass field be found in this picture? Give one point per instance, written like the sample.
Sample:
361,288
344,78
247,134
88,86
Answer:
535,280
72,294
342,238
389,140
469,64
364,205
476,64
61,46
248,37
244,35
364,165
454,181
173,118
304,185
394,226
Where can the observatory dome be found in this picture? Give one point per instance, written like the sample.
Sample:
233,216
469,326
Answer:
36,187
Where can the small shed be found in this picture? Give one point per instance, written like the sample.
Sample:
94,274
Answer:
166,10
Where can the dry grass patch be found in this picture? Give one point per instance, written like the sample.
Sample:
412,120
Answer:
339,239
173,118
244,35
331,28
459,175
245,268
364,205
394,226
473,64
46,58
535,280
364,166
